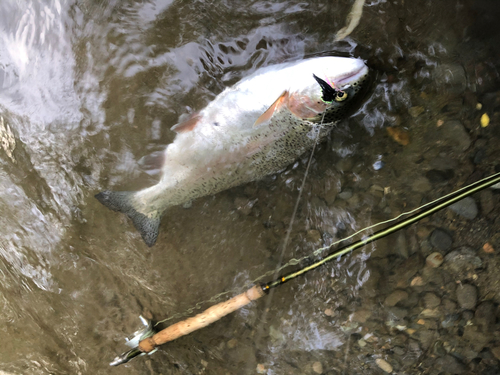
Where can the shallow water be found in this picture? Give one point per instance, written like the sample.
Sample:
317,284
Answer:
89,87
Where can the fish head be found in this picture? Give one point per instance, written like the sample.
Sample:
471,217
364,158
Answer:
336,91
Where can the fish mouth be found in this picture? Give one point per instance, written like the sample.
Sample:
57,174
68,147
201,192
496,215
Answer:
352,76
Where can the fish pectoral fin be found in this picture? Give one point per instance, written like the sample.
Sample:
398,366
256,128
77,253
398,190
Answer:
187,125
279,103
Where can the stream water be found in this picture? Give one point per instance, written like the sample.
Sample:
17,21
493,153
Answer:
88,87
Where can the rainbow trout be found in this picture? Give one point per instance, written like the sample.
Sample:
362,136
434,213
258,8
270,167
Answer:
252,129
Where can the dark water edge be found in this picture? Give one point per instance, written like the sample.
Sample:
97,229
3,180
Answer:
89,87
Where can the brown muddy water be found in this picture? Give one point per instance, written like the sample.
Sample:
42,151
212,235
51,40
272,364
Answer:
89,87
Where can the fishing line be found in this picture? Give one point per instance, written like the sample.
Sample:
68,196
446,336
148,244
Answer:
279,267
289,230
148,340
319,251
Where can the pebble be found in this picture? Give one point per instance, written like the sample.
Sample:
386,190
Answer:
462,261
466,208
450,365
434,260
261,369
345,195
467,296
486,200
329,312
441,240
416,111
453,134
421,185
485,316
395,297
496,352
450,77
430,313
384,365
417,281
436,176
317,367
360,316
431,300
232,343
314,236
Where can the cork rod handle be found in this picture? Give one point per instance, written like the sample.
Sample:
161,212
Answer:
201,320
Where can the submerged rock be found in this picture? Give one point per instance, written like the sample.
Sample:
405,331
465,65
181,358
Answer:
467,296
440,239
434,260
384,365
466,207
462,261
450,365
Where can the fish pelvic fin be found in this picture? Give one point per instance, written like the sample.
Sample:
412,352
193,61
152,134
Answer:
121,201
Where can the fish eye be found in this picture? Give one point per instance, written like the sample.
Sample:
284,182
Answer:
341,96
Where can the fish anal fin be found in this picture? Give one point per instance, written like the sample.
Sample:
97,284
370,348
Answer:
279,103
187,125
304,107
153,163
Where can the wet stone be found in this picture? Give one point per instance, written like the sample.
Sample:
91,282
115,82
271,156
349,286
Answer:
462,261
395,297
384,365
496,352
434,260
449,321
479,156
443,163
454,135
485,315
477,339
431,301
314,236
449,305
467,316
345,195
244,205
436,176
486,200
466,208
416,111
425,337
467,296
421,185
345,164
450,77
261,369
317,367
360,316
232,343
450,365
441,240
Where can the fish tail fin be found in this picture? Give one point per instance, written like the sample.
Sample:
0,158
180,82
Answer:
147,225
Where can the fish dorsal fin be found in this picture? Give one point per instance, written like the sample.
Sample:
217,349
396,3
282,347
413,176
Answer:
279,103
187,125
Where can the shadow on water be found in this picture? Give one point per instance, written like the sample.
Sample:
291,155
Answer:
89,87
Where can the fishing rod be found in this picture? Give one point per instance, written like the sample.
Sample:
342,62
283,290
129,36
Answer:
147,340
